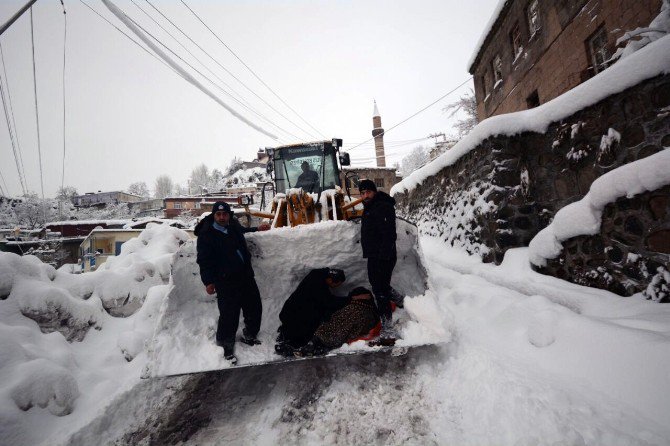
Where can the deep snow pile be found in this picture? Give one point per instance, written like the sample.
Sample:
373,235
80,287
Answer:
184,338
646,63
62,350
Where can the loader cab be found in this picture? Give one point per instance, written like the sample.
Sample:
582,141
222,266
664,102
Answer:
311,166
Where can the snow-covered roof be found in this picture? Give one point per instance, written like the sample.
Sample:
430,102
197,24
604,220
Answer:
86,222
375,113
644,64
497,12
368,168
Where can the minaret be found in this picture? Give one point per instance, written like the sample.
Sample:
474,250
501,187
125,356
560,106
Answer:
378,133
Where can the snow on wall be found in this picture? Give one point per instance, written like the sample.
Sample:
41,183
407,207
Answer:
583,217
648,62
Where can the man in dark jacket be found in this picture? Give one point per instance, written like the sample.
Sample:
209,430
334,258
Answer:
225,269
378,236
307,307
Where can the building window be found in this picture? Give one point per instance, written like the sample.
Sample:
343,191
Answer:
533,16
379,182
598,52
197,205
533,100
177,205
485,78
515,38
496,67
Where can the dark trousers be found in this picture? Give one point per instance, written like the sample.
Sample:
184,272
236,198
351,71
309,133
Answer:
233,297
379,275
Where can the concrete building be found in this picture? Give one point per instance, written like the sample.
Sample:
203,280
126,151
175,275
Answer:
104,198
535,50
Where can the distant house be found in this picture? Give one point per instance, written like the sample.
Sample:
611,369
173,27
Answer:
536,50
384,177
148,208
104,198
102,244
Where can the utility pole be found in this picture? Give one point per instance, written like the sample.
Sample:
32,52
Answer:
15,17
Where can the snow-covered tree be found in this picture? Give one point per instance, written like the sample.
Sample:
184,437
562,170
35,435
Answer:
200,178
139,188
66,193
234,165
468,105
163,186
415,159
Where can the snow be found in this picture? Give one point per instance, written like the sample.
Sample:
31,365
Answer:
646,63
487,30
583,217
526,359
183,340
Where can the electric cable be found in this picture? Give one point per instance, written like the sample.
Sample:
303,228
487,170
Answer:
229,72
62,179
252,71
11,112
11,136
37,115
6,191
239,99
410,117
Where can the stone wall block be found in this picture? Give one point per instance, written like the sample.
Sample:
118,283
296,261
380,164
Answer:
660,96
659,241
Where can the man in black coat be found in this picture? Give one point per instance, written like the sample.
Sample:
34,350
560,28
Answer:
225,269
378,236
308,306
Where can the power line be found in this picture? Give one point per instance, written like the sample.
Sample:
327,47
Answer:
252,71
142,35
239,99
192,79
37,116
11,136
62,179
6,191
227,71
11,112
423,109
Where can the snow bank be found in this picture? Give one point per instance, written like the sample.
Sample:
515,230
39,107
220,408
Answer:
51,363
584,216
648,62
184,337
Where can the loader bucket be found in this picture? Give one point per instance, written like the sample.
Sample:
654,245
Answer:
184,336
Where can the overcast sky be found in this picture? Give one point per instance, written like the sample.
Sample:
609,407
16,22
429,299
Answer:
131,118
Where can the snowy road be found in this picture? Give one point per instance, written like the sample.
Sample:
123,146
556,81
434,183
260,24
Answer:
533,360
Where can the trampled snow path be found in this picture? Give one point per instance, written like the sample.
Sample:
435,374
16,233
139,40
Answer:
533,360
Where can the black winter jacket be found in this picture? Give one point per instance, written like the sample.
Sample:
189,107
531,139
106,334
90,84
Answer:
217,252
309,305
378,233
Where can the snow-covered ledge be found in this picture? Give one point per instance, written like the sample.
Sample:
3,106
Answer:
651,61
584,216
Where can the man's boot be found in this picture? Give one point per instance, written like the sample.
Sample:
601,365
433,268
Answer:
388,334
249,339
229,352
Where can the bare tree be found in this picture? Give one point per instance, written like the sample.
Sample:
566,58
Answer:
415,159
468,105
163,186
66,193
200,179
139,188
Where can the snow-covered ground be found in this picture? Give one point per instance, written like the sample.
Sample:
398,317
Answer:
529,359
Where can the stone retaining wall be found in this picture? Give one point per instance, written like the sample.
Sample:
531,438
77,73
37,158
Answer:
506,190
